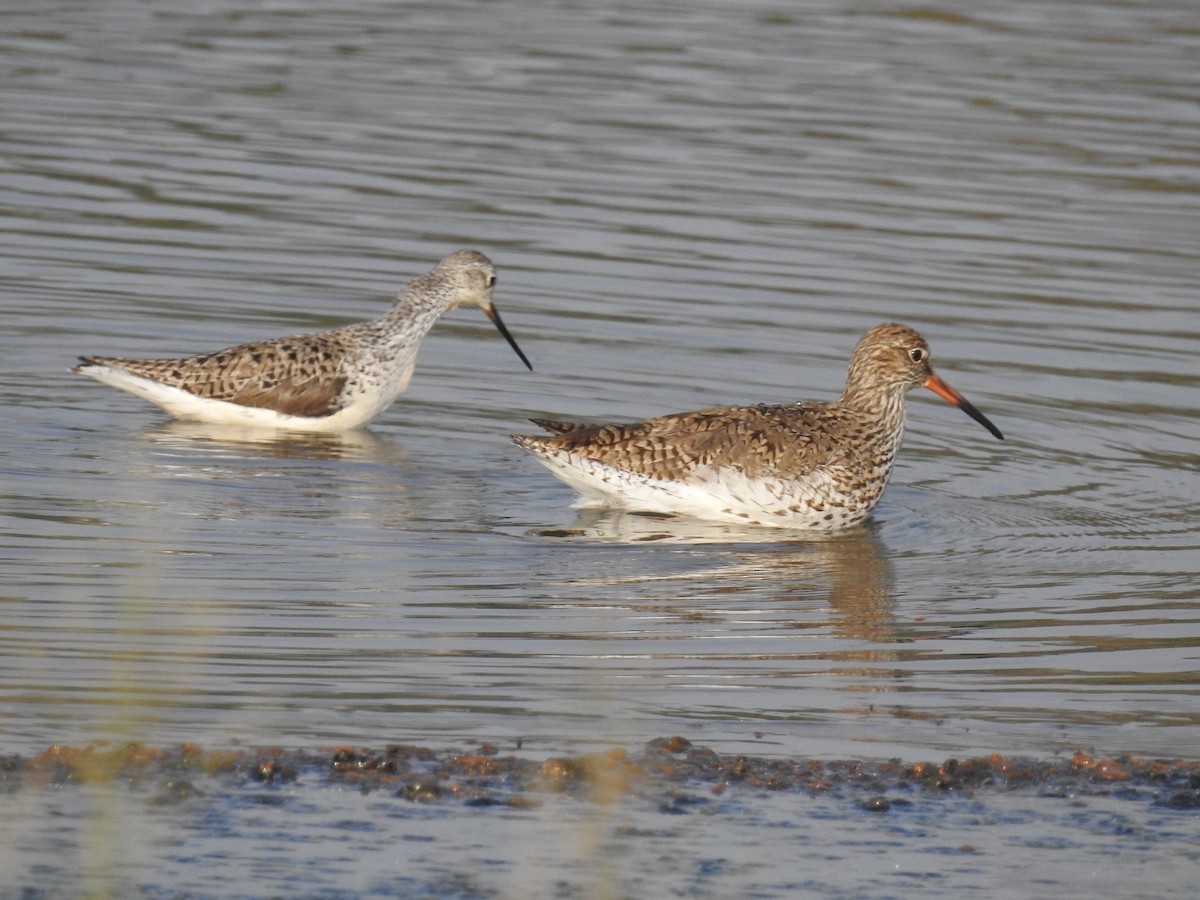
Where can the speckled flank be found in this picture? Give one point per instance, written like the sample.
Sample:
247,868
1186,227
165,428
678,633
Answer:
331,381
802,465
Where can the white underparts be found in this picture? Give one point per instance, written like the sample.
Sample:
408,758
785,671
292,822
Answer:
725,494
189,407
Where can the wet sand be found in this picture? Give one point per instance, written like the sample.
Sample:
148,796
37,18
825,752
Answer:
667,767
670,818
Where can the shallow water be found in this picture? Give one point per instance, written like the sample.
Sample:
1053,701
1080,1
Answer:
689,204
392,824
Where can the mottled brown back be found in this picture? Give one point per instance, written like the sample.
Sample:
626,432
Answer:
788,441
300,376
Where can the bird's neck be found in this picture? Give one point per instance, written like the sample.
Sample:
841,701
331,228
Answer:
411,316
883,404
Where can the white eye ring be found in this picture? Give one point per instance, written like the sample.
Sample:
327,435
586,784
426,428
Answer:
916,354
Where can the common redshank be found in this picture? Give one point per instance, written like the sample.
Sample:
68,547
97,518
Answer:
328,382
803,465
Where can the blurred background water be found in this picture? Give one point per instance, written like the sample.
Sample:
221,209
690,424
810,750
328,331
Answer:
689,204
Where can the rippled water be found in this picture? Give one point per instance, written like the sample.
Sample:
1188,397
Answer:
689,204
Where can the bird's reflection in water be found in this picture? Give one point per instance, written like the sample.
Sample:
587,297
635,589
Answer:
267,476
234,440
848,569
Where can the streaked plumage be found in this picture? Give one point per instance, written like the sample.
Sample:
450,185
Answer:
331,381
802,465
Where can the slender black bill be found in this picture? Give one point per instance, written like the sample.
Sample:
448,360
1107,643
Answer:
944,390
499,323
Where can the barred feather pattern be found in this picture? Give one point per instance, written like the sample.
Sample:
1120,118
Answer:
332,380
805,465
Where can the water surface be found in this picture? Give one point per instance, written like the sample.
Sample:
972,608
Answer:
689,204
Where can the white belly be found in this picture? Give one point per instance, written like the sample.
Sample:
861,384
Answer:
189,407
723,495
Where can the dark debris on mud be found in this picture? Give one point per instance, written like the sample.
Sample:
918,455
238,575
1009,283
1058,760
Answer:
668,768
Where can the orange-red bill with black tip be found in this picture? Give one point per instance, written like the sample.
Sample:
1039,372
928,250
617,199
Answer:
944,390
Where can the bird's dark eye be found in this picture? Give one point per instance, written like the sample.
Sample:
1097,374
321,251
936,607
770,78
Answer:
491,281
916,354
